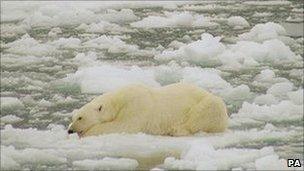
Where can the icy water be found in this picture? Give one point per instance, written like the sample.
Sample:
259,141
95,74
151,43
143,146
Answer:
56,57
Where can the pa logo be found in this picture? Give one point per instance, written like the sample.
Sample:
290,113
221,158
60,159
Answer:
293,163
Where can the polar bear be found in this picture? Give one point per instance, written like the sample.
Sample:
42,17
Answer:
177,110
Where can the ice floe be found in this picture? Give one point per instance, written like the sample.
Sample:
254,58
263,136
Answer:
266,78
262,3
262,32
184,19
266,99
296,96
101,27
106,164
238,22
105,78
280,89
111,44
203,51
209,51
122,16
29,46
285,110
10,103
9,119
197,152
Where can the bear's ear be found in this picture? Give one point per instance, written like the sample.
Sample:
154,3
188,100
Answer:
100,107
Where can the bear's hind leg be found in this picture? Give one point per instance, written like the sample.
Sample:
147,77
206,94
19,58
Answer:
208,116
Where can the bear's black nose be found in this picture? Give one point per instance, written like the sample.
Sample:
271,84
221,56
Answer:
70,131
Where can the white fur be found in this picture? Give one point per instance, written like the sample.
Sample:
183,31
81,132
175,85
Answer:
177,109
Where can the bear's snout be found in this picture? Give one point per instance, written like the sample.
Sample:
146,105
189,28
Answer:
70,131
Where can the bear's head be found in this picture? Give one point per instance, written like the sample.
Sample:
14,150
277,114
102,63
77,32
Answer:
101,109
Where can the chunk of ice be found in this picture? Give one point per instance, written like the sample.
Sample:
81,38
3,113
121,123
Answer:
280,89
106,164
296,96
9,119
11,102
238,21
262,32
266,99
105,78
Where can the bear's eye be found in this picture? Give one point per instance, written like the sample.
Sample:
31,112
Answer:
79,118
99,109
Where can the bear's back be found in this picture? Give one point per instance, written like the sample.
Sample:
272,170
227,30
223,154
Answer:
134,90
183,90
